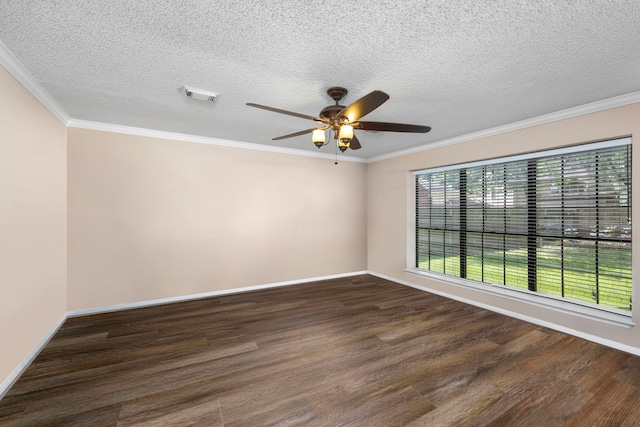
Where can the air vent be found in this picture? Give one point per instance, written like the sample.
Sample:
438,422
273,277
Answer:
202,95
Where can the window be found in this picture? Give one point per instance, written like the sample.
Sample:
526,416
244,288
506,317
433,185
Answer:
555,223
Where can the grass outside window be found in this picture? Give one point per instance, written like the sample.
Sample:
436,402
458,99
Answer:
556,223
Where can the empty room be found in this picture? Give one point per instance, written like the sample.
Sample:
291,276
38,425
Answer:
318,213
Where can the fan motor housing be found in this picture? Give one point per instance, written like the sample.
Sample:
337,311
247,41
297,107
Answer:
330,112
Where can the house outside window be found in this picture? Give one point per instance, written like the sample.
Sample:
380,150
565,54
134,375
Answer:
555,224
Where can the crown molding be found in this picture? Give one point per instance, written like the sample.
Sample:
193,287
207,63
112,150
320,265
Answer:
593,107
130,130
17,70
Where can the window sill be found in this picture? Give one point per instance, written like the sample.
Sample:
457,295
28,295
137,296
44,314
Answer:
521,295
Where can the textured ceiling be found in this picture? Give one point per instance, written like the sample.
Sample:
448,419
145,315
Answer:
458,66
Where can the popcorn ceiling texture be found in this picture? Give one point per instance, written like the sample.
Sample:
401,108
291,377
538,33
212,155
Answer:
458,66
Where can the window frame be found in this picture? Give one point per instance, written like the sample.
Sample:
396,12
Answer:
561,304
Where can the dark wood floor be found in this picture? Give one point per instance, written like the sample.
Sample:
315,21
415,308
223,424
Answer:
359,351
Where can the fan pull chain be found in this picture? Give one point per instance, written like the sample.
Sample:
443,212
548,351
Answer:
336,145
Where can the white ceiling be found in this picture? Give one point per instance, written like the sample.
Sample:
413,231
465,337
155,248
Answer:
458,66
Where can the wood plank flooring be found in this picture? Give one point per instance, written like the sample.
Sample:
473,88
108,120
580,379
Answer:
359,351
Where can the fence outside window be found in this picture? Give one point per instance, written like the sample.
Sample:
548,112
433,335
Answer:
557,223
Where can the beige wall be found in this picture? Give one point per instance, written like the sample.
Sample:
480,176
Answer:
390,194
32,223
152,218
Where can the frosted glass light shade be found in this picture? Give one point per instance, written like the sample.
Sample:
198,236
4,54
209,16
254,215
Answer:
318,136
346,132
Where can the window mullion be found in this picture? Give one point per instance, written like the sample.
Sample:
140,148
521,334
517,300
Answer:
417,232
504,224
564,224
444,228
462,196
484,217
598,232
532,227
430,220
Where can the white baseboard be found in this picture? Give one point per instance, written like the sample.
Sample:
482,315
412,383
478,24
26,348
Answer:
19,370
589,337
13,377
148,303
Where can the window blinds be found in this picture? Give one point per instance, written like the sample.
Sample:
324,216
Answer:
556,223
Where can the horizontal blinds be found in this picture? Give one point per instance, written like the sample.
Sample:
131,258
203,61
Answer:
557,224
546,153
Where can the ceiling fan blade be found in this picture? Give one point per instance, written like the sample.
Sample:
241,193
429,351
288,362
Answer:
391,127
290,113
302,132
355,144
363,106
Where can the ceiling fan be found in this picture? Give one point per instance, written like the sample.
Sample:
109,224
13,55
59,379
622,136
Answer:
344,120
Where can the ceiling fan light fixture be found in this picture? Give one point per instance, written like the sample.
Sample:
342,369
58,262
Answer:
318,137
340,120
346,132
345,135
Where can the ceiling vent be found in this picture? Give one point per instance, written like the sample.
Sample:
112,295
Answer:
202,95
